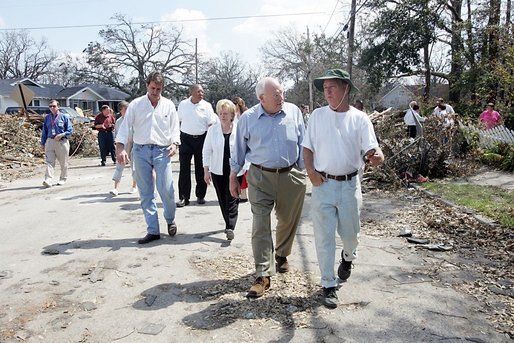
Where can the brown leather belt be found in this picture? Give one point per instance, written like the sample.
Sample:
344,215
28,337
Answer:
273,170
339,177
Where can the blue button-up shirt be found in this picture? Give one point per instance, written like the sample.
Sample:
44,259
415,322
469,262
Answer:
272,141
53,127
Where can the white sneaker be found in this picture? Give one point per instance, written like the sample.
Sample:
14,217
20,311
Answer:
47,184
133,190
61,182
114,192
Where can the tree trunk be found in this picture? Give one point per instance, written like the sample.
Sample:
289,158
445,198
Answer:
426,54
457,51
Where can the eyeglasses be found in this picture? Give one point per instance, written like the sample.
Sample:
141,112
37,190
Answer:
52,106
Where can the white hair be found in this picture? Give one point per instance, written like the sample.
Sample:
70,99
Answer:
259,88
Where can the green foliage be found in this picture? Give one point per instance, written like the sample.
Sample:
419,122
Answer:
500,156
394,40
490,201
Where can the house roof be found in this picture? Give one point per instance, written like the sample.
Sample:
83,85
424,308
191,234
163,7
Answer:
50,91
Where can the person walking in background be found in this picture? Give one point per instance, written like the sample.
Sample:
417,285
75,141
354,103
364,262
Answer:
490,118
305,113
411,117
268,136
240,109
337,139
55,135
195,115
154,123
118,173
216,154
104,123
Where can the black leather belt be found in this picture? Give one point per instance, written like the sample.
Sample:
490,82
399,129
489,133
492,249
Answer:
273,170
339,177
194,136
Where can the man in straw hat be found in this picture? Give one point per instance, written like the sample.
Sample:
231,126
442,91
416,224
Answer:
338,140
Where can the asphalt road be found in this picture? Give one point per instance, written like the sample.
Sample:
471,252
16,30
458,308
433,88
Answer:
71,271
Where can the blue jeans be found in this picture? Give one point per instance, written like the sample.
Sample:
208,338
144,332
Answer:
147,158
335,206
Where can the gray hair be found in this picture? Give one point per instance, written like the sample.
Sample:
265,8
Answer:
259,88
122,104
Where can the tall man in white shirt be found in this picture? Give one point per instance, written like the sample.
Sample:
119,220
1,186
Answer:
195,115
338,139
154,121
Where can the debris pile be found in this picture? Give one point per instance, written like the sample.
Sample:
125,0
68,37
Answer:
20,147
436,152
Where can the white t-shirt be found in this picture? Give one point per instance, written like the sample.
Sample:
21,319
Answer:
439,112
195,119
338,140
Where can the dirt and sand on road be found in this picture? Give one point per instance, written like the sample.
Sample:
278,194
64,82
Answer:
71,271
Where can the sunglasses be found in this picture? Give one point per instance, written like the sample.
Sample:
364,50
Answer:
52,106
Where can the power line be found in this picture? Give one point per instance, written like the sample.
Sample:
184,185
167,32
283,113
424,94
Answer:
345,26
329,19
165,21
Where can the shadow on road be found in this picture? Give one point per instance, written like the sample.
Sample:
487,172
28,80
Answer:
117,244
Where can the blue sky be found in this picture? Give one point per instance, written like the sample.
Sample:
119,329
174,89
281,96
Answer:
244,36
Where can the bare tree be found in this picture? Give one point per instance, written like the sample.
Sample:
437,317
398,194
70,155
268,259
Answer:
21,56
227,76
128,52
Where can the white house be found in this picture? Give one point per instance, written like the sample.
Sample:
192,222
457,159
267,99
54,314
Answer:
397,98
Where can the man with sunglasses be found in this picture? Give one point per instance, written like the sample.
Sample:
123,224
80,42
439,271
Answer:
57,129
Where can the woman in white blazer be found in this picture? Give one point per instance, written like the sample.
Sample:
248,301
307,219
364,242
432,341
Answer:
219,141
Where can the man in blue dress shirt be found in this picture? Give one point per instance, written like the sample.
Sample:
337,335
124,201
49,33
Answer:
269,136
55,135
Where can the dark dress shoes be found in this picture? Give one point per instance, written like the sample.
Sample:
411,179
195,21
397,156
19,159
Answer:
182,203
200,201
172,229
148,238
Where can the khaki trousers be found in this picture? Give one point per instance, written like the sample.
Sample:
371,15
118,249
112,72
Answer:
59,150
285,192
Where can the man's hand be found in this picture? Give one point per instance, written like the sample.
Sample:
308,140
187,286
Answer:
235,188
374,157
316,178
121,155
207,176
172,150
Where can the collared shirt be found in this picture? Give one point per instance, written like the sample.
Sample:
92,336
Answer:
490,118
411,116
272,141
338,140
55,125
151,125
195,119
107,120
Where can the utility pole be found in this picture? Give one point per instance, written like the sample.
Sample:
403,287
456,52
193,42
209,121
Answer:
309,69
351,35
196,60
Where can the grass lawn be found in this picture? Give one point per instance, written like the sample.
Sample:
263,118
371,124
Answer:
492,202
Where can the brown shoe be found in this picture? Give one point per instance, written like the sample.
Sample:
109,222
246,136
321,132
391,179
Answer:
260,285
282,265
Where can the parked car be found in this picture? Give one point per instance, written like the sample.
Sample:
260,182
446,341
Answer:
31,109
43,111
75,116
